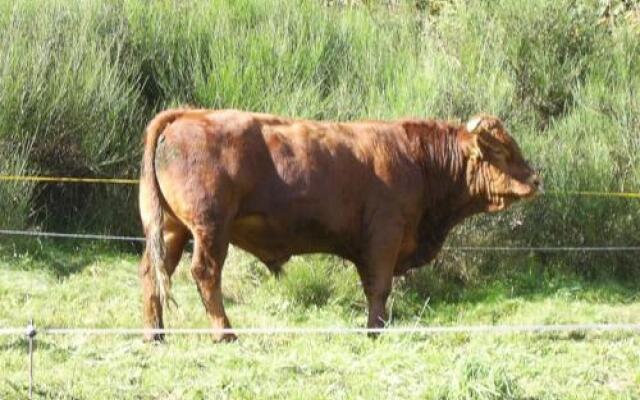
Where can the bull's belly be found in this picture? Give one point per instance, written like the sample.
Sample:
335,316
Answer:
273,241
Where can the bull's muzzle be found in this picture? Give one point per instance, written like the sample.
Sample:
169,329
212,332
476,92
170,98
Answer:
535,181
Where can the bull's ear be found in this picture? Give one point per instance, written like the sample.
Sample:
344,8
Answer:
474,149
482,129
475,127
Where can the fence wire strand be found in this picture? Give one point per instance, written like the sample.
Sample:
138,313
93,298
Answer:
424,330
68,179
129,181
89,236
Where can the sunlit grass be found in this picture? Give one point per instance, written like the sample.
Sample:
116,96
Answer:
102,291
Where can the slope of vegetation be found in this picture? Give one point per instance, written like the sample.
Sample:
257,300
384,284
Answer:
79,79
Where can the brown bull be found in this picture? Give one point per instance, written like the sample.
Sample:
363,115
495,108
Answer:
383,195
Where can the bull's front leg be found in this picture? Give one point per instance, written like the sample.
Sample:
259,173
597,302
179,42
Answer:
377,268
377,287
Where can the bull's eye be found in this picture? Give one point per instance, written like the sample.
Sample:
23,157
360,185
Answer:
502,155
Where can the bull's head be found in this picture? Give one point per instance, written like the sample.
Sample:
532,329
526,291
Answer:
496,170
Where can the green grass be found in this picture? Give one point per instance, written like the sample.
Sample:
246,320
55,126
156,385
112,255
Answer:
90,287
80,78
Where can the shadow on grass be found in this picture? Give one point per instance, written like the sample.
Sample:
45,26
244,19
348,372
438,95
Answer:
320,280
22,344
491,290
497,294
59,256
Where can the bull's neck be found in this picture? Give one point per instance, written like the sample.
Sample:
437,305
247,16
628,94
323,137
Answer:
444,170
447,200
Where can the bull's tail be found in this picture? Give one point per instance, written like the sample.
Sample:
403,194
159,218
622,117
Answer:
151,203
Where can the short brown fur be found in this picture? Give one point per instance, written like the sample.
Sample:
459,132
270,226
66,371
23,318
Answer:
383,195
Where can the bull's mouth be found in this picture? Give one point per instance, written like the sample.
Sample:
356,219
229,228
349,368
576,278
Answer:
524,196
526,190
531,195
503,201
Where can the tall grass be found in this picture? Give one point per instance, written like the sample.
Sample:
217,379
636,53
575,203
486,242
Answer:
78,80
68,98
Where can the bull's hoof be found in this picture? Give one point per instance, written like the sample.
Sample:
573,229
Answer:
153,338
378,324
226,338
373,335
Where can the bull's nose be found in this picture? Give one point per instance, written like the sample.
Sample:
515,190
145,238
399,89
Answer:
536,182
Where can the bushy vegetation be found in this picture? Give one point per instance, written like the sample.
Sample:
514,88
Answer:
79,79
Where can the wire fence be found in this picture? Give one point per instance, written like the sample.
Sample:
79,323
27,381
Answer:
68,179
420,330
31,330
59,235
130,181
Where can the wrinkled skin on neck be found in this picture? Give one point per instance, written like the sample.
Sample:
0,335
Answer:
485,171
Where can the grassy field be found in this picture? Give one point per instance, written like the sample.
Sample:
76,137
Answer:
67,287
80,78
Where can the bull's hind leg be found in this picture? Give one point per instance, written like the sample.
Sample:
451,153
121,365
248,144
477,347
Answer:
176,236
209,252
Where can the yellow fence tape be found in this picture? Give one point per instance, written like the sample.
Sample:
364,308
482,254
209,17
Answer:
627,195
63,179
68,179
